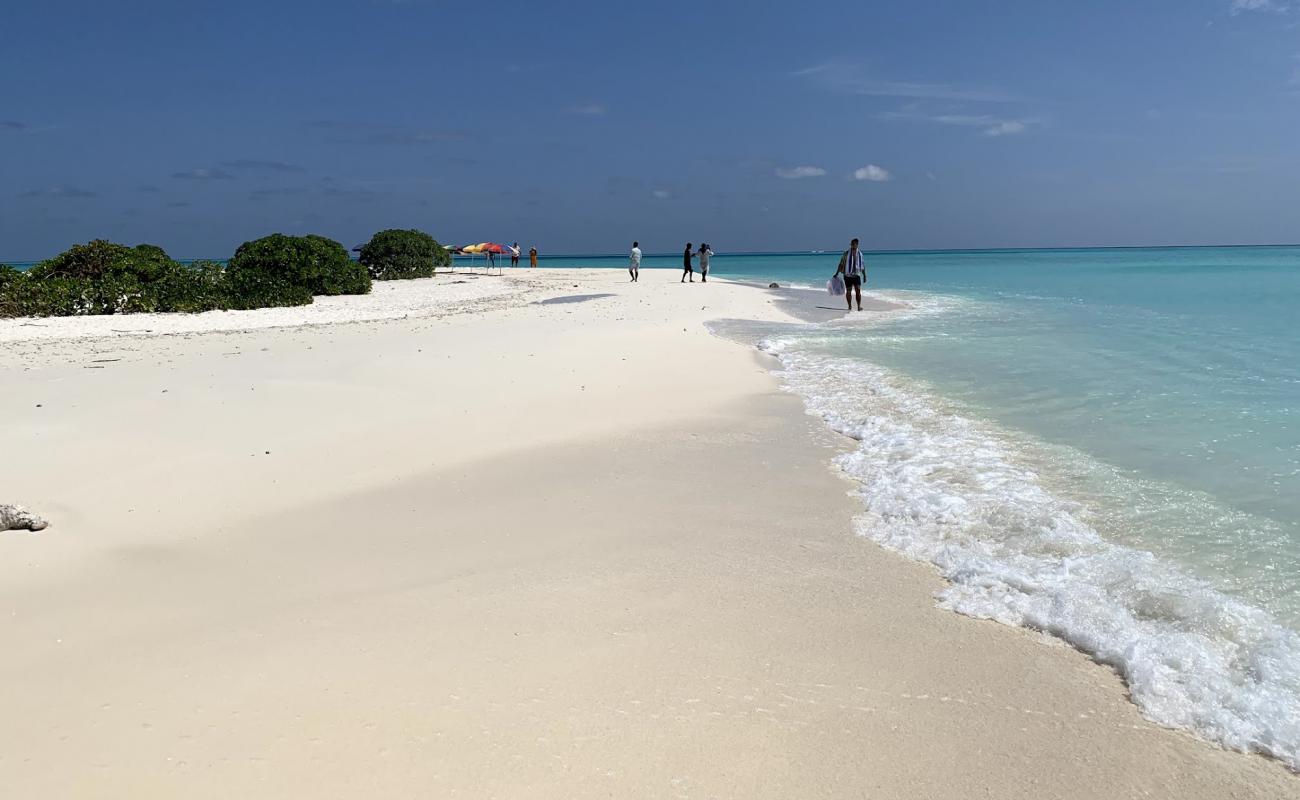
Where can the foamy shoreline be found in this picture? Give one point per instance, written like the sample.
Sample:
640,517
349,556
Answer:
502,548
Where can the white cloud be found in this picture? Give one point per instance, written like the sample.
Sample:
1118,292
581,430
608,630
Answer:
1239,6
795,173
871,172
662,194
992,125
1006,128
850,78
589,110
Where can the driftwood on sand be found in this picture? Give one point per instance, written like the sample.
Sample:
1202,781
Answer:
14,518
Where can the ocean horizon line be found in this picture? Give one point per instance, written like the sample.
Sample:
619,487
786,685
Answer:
820,251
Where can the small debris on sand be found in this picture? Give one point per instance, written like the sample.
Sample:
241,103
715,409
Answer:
16,518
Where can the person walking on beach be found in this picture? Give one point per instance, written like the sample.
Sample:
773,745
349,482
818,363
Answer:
687,267
704,254
532,257
855,272
634,262
514,254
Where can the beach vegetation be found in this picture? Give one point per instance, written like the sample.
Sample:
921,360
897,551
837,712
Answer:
102,277
402,254
8,275
96,260
279,270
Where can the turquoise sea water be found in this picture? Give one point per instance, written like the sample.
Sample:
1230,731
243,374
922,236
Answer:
1100,444
1178,365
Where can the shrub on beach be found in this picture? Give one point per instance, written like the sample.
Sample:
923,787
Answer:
200,286
400,254
279,270
9,278
103,260
101,277
336,272
8,275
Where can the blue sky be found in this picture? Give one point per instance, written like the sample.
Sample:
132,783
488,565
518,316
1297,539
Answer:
579,126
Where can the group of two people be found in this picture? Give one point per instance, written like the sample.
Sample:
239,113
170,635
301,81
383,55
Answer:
688,262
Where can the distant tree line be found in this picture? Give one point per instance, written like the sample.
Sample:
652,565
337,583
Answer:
102,277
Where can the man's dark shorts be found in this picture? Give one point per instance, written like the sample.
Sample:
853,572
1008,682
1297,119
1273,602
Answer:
851,281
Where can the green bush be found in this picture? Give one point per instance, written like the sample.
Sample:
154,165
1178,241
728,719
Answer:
50,297
398,254
8,275
201,286
106,278
101,277
279,270
336,272
10,278
99,260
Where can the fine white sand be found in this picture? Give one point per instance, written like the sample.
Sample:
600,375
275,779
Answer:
499,548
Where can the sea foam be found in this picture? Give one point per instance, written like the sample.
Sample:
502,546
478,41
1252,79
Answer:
943,488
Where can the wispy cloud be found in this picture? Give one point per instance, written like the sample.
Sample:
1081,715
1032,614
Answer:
661,194
60,193
795,173
262,166
12,125
1008,127
589,110
873,173
850,78
989,124
203,174
1240,6
148,188
179,204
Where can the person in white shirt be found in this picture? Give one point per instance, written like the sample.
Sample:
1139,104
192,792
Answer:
704,254
514,254
634,262
855,273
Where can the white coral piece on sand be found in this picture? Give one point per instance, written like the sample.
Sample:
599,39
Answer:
13,518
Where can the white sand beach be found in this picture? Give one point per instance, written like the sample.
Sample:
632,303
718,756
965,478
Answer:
448,540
